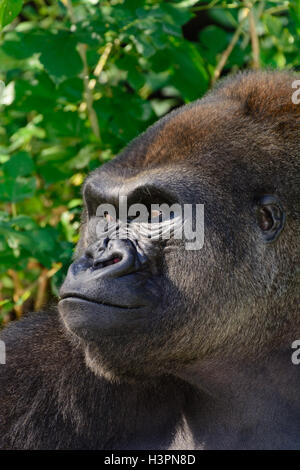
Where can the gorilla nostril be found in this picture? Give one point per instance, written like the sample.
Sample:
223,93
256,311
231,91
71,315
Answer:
113,258
110,245
98,263
96,249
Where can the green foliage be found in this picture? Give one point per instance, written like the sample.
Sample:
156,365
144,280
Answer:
78,80
9,9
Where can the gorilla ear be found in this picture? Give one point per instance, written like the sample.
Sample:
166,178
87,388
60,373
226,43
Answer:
270,217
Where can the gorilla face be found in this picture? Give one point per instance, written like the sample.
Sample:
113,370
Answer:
142,306
132,300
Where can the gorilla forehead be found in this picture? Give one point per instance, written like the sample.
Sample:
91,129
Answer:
219,127
211,135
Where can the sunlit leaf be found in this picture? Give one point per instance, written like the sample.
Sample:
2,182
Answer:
9,9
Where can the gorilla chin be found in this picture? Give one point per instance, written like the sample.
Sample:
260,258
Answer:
90,320
112,338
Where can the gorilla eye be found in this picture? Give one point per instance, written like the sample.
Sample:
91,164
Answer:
270,217
108,217
156,213
156,216
159,216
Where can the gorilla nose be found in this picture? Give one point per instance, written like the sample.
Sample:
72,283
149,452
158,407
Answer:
114,257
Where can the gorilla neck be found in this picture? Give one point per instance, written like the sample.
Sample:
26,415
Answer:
237,402
226,404
237,405
230,404
246,404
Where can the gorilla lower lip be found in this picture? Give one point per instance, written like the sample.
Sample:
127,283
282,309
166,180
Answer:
85,299
90,320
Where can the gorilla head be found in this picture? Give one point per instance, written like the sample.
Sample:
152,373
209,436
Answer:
142,307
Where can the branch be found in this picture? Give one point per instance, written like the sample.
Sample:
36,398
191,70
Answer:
103,59
228,50
88,92
206,7
275,10
18,290
42,290
101,64
254,40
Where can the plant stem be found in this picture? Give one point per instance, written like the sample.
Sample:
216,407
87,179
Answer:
254,40
278,9
101,64
13,209
228,50
42,290
88,92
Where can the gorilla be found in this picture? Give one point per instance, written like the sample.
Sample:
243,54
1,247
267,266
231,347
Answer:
156,346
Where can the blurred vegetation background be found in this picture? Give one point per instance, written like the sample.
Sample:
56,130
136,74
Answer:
78,80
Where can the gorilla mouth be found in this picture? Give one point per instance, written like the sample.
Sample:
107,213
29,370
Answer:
108,262
81,297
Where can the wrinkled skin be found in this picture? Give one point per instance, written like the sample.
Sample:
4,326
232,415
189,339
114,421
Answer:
196,344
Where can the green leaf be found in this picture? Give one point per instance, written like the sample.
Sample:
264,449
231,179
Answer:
59,56
14,190
295,13
214,39
82,159
38,95
134,73
186,68
22,45
20,164
144,45
274,24
23,222
175,13
52,174
9,9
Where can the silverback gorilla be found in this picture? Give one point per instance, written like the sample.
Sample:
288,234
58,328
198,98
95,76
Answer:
160,347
